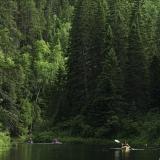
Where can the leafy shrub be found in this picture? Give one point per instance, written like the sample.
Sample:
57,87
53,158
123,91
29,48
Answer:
46,137
102,132
4,139
87,131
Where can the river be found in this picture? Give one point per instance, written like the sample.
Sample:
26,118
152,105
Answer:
74,152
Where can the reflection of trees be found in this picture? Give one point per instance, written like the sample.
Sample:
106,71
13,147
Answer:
24,152
4,152
120,155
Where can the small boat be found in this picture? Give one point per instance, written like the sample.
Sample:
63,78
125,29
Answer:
56,141
30,141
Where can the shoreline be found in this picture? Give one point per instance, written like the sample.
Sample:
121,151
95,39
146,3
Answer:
45,139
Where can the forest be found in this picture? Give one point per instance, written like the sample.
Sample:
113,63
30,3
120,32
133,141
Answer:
80,68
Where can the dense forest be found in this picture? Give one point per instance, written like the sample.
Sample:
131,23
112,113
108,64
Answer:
84,68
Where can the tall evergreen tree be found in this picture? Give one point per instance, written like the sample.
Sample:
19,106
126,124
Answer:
136,71
86,52
9,34
149,16
155,70
40,6
119,26
108,99
28,22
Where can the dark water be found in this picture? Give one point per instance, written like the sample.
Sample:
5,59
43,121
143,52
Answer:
74,152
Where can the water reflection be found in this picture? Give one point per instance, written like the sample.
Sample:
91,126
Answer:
117,155
74,152
4,152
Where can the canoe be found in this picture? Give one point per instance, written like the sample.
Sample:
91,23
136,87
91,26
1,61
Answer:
56,142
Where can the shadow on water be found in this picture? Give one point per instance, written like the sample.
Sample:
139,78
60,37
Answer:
74,152
137,155
4,152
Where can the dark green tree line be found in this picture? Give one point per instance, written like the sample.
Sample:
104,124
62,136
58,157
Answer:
90,67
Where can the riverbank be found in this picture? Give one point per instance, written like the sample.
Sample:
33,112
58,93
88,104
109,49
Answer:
47,137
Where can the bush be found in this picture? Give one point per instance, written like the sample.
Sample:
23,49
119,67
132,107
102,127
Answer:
87,131
46,137
77,126
4,139
102,132
130,128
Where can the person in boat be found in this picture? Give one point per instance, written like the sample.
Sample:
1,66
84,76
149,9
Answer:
30,136
56,141
30,140
126,146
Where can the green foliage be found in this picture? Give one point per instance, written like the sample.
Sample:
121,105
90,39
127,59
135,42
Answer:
26,113
86,68
10,120
4,140
6,62
151,128
42,49
78,127
29,65
130,128
48,63
46,137
136,69
9,33
86,53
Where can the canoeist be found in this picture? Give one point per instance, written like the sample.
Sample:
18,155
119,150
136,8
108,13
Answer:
30,140
56,141
126,147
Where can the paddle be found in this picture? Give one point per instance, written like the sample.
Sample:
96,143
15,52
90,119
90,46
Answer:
117,141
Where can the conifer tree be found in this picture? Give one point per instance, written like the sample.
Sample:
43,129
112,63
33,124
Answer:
136,71
9,33
109,89
28,22
86,52
119,26
155,70
108,98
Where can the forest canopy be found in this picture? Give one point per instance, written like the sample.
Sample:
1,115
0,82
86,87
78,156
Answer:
88,68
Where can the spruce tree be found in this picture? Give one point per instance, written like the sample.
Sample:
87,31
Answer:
136,72
109,90
108,100
155,70
9,34
28,22
86,52
119,26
